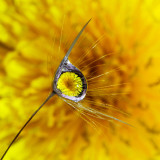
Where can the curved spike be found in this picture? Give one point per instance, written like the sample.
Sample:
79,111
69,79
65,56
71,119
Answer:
74,42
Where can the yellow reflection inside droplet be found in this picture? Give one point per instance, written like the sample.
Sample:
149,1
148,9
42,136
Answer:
70,84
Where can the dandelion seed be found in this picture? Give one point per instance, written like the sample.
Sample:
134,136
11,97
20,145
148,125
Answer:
71,85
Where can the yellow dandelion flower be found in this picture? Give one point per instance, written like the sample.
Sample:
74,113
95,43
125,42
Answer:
131,33
70,84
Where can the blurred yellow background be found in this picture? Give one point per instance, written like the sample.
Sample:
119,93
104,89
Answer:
30,34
